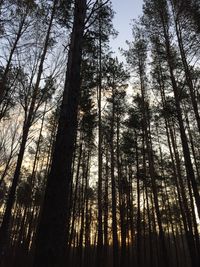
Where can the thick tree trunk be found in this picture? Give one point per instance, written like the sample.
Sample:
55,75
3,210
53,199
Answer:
51,231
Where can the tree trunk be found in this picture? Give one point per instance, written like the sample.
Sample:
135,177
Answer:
113,190
12,51
186,151
51,231
27,124
100,156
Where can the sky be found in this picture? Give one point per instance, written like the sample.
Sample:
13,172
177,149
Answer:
126,10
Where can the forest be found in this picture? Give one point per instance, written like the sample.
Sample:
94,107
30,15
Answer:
99,153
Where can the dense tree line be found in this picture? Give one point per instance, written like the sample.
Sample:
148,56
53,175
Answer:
99,159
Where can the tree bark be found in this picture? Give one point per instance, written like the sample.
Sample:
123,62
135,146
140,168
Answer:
51,231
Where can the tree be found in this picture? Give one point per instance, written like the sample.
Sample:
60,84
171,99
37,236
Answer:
51,232
28,121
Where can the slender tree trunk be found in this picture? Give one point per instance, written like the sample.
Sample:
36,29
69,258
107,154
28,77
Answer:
100,157
168,207
186,66
192,145
130,215
113,190
106,210
138,208
186,151
184,208
12,51
152,172
27,124
182,199
75,199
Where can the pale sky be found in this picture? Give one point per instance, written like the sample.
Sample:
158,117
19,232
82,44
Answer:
125,10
